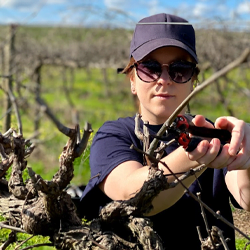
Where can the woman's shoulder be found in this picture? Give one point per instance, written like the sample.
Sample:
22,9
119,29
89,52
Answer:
118,126
113,131
122,121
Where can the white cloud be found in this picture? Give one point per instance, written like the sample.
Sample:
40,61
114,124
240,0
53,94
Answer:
15,4
154,7
132,6
243,8
200,9
117,4
215,11
27,5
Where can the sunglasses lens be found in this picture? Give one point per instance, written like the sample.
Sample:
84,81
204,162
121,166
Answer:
181,72
149,71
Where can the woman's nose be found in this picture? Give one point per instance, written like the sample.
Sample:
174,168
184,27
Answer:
165,78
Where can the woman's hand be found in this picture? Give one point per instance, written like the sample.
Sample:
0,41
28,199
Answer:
207,151
239,147
234,155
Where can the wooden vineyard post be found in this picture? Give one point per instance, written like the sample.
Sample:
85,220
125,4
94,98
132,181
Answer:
8,65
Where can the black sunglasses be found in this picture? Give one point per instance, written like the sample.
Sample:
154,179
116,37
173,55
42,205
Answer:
179,71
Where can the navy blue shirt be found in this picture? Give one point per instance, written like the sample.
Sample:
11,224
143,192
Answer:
177,225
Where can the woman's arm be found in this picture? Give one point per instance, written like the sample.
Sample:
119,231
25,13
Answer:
238,183
127,178
238,175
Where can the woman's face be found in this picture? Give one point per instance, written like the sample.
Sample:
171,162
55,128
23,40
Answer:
160,98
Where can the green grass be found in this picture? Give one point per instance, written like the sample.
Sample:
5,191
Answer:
21,237
241,244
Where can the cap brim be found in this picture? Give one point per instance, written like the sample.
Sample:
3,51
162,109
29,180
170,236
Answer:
152,45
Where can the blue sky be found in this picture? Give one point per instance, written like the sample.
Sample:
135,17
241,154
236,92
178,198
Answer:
119,12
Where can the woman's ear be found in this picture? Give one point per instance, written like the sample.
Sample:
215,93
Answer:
133,90
132,85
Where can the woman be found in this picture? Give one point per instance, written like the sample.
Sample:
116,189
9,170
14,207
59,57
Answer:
162,71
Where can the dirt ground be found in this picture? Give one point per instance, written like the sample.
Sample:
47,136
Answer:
242,221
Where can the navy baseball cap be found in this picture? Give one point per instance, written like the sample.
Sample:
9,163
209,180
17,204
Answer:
162,30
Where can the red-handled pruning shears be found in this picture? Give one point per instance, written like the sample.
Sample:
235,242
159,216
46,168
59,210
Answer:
182,127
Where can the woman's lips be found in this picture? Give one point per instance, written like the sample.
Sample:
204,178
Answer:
164,96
